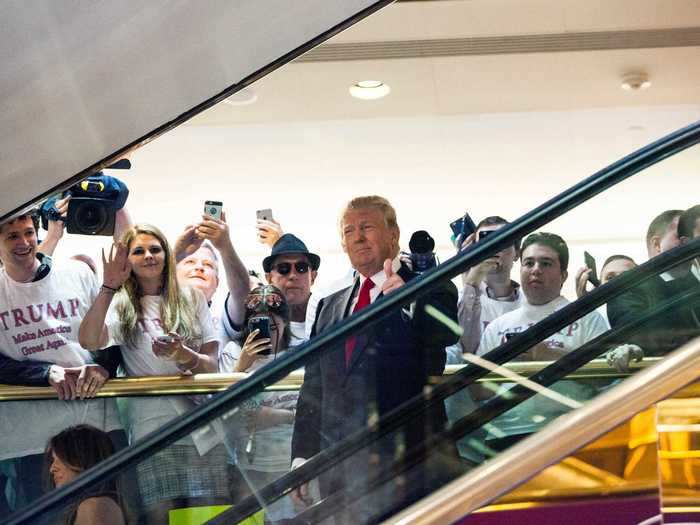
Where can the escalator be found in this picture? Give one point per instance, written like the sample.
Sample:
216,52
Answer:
504,430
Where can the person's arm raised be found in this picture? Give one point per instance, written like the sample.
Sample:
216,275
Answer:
217,232
93,333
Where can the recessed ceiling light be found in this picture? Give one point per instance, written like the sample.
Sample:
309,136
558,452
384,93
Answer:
369,89
242,97
635,81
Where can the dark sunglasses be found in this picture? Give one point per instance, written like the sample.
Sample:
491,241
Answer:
284,268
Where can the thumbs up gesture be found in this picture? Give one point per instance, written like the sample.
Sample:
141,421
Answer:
393,279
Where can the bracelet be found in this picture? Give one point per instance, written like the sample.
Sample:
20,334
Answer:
109,289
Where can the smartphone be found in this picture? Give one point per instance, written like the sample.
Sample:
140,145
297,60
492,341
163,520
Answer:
463,227
264,215
456,227
165,339
590,262
261,323
213,209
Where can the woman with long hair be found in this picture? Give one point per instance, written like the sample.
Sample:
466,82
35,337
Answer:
163,329
69,453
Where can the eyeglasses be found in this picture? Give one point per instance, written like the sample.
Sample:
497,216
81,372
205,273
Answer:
284,268
263,296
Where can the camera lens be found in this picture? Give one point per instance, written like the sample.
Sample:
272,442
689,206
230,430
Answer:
91,217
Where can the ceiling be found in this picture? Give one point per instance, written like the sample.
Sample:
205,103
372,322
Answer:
482,56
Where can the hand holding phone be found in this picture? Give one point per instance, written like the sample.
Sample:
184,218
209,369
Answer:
213,209
264,215
262,324
590,263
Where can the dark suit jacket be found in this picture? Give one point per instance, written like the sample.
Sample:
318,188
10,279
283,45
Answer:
391,363
672,328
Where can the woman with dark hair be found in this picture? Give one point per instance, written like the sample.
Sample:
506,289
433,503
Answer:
163,329
69,453
264,453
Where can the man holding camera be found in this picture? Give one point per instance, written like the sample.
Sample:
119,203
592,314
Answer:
41,307
375,370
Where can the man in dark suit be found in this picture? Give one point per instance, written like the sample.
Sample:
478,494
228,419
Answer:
676,327
375,370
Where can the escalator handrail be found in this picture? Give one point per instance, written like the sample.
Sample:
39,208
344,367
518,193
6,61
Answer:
469,374
501,239
490,410
572,431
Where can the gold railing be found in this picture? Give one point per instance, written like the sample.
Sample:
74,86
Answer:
212,383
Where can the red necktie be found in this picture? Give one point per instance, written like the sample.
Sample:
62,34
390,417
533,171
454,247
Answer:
362,300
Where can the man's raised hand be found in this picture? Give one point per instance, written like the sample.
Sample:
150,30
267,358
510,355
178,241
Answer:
393,279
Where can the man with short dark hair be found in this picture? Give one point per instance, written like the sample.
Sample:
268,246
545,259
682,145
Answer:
544,263
662,234
41,307
671,328
614,266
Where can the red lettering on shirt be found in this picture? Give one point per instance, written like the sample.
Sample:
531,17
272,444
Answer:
19,317
39,307
54,312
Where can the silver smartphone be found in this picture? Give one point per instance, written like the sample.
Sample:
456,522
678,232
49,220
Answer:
213,209
264,215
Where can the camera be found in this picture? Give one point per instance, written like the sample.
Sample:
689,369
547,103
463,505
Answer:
93,205
422,247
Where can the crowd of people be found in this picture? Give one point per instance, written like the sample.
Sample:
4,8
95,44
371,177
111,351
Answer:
151,314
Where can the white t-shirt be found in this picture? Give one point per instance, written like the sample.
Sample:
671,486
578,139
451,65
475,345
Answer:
537,411
40,321
152,413
139,359
519,320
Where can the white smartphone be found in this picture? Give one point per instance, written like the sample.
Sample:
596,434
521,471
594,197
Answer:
213,209
165,339
264,215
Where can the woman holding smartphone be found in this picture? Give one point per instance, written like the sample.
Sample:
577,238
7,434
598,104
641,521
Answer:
264,452
163,329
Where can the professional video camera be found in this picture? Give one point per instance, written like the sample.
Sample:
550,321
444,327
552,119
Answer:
422,247
93,205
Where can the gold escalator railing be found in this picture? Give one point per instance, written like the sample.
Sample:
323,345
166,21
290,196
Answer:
621,462
618,419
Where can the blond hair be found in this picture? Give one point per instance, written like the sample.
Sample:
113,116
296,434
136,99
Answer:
371,201
179,305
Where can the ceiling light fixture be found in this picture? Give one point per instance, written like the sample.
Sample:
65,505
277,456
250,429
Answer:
369,89
635,81
242,97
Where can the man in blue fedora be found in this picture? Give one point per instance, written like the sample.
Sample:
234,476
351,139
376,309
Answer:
292,268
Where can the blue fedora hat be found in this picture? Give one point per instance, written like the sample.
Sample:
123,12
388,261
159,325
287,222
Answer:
290,244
